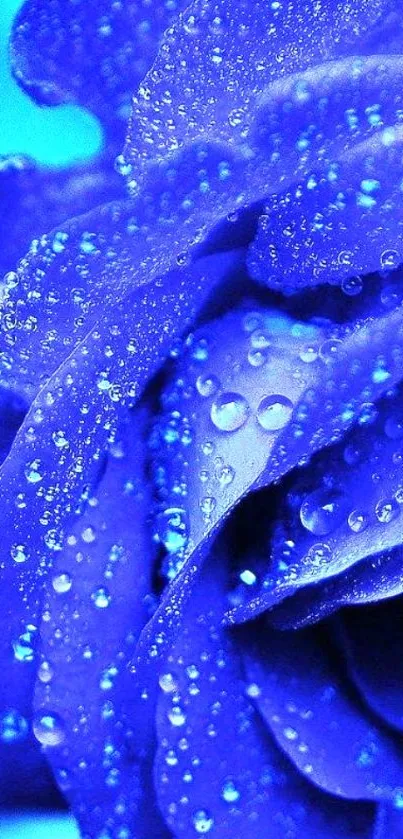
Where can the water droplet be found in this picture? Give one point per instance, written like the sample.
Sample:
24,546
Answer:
389,259
49,729
62,583
260,339
357,521
229,411
330,348
208,505
19,553
230,793
167,682
176,716
225,475
274,412
13,726
101,597
352,286
45,672
309,354
207,385
32,472
257,358
24,646
322,511
202,821
172,529
386,510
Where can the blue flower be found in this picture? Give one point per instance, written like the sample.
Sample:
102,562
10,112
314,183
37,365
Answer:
203,399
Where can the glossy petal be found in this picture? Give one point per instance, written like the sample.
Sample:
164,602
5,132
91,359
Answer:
316,720
193,505
34,199
208,76
94,608
345,508
374,579
58,451
308,235
217,771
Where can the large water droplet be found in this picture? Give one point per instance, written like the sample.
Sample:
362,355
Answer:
229,411
49,729
322,511
274,412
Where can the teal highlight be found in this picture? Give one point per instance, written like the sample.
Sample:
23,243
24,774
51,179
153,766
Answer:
34,825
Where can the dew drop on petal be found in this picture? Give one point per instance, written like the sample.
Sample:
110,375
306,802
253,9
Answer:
202,821
19,553
13,726
207,385
48,729
176,716
230,793
322,511
386,510
229,411
357,521
62,583
274,412
101,597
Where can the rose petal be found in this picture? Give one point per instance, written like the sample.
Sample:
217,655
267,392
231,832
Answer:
57,453
373,579
318,723
216,770
213,65
308,235
33,199
94,608
346,509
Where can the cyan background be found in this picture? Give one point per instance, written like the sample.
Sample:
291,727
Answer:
53,136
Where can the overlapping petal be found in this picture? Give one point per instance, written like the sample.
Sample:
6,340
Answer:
316,719
95,604
217,770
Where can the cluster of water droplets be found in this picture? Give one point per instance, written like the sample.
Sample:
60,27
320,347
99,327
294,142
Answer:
222,408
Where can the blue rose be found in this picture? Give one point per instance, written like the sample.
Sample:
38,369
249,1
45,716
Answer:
204,382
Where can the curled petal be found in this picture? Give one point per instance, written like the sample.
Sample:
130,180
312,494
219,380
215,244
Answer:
57,453
229,779
345,510
375,578
337,224
91,54
315,719
207,78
